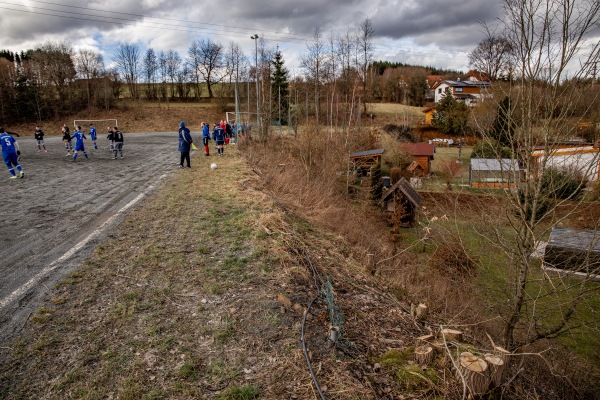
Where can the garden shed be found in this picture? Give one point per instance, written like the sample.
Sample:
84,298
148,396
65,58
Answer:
400,203
362,161
574,253
492,173
422,154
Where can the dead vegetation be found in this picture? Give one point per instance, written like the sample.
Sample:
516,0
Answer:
210,305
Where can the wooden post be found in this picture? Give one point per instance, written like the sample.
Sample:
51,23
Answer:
474,370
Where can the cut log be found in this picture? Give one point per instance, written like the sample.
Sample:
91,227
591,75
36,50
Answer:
424,355
421,312
452,335
502,353
496,367
474,370
425,340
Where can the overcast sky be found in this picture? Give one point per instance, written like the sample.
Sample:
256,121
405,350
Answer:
425,32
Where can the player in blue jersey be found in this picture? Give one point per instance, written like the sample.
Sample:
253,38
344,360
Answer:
218,135
185,144
205,138
10,154
93,135
79,137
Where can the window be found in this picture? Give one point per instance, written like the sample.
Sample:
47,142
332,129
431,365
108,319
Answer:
458,89
440,90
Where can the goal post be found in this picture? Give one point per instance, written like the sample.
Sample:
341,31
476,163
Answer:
100,124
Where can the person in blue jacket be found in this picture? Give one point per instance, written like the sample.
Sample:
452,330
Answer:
218,135
79,137
185,144
10,154
205,137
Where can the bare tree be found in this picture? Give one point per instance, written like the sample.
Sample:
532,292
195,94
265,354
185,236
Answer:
150,67
173,64
211,64
194,60
549,40
365,46
127,60
492,56
313,63
89,66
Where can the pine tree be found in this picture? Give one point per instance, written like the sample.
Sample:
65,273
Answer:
503,128
279,85
451,116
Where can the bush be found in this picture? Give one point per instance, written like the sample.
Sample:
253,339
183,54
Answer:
562,184
490,148
452,259
400,132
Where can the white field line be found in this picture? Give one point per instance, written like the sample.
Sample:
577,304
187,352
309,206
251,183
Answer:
56,263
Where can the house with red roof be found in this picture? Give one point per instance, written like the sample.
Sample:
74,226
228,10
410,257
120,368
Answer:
422,154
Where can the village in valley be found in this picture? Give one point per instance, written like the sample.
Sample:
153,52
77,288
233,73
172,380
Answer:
365,229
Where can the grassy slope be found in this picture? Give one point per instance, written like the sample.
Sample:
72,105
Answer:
200,295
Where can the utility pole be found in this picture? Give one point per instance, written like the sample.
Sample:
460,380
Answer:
255,38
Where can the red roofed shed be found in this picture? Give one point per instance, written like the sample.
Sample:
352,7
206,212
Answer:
422,154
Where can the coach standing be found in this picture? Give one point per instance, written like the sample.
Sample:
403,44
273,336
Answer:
185,143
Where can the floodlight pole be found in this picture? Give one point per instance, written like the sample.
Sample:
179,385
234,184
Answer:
255,38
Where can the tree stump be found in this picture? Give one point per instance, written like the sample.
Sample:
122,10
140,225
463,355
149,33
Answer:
424,355
439,346
421,312
496,367
425,340
452,335
474,370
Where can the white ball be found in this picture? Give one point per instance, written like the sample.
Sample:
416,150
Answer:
213,166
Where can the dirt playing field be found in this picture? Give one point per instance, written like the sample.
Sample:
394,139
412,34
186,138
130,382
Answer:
54,217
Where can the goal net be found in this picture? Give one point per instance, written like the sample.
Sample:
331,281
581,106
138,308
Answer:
100,124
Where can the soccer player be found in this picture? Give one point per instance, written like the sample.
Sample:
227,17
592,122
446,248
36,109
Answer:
117,143
67,139
205,138
10,154
93,135
219,138
39,137
79,136
111,138
185,143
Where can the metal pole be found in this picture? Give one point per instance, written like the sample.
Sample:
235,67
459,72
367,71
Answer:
255,38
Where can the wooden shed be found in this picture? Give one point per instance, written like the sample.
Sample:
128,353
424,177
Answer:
422,154
573,253
428,111
362,161
492,173
401,203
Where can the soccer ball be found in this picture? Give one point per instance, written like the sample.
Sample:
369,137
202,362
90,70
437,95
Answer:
213,166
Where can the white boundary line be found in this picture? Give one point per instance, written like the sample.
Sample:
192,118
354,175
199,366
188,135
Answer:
56,263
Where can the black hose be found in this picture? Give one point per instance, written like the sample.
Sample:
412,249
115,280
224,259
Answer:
312,372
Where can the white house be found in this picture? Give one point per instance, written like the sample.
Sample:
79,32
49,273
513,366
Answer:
470,91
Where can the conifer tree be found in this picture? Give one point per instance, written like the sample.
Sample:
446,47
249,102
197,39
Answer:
279,85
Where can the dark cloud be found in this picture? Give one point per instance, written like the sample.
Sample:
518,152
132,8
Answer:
425,23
